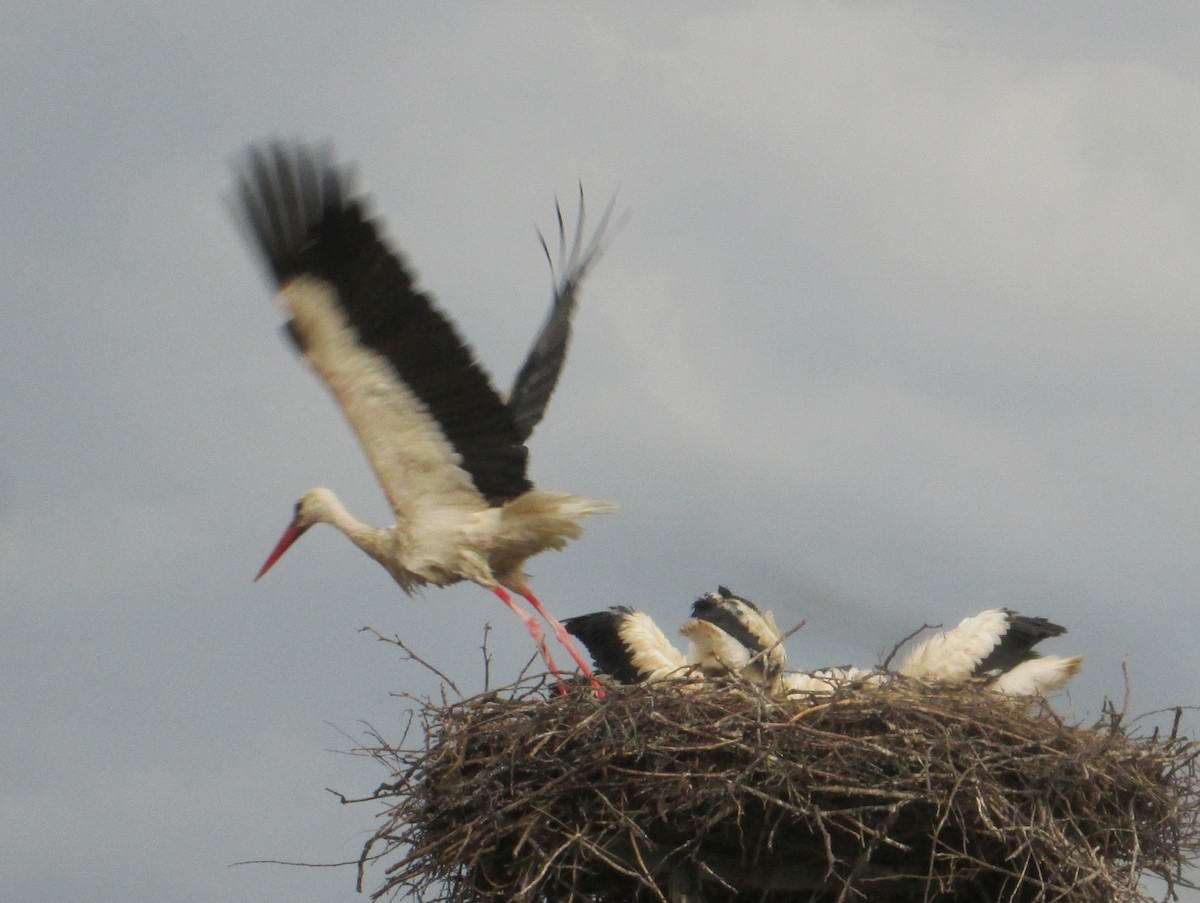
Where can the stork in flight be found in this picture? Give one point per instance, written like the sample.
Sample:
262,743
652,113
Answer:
996,646
448,451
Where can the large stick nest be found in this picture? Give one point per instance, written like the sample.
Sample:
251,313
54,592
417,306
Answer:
905,792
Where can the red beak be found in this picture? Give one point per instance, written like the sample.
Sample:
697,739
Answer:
290,535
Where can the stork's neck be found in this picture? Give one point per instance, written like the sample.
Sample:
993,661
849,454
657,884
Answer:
366,537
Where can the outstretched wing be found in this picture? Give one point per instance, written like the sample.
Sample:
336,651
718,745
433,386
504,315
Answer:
538,376
433,428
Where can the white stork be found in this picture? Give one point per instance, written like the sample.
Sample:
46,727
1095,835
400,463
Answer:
627,645
996,646
729,634
448,452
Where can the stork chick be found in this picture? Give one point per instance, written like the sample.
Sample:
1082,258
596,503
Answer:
627,645
729,634
995,646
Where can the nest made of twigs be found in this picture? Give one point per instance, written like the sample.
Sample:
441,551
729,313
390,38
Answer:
904,792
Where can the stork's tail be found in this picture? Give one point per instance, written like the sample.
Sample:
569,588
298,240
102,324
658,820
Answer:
552,518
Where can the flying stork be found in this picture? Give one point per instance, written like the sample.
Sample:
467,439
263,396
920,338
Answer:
448,451
627,645
729,634
996,646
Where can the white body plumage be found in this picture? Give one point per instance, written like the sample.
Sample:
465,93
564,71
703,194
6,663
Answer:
995,646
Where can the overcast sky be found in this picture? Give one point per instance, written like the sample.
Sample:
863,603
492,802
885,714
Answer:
902,325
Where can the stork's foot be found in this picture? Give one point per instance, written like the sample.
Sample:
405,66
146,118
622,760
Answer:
560,634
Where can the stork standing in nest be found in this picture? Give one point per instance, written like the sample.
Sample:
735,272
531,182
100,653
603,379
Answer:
448,451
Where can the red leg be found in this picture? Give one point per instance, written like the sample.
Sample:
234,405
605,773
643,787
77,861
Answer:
535,631
563,637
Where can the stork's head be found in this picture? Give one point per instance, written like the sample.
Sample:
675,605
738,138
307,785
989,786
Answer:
314,507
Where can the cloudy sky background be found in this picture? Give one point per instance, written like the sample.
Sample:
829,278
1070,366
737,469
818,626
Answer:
903,325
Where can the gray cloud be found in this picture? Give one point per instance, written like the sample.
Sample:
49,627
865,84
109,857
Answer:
901,326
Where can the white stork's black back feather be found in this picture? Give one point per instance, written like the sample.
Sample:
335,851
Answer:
294,204
538,376
1016,644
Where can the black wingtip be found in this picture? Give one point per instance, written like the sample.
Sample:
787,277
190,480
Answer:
600,633
539,374
284,190
1017,644
296,207
1036,628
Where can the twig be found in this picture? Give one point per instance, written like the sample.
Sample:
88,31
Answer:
762,655
908,791
412,656
487,657
887,662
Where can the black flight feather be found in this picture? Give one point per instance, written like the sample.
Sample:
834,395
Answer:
538,376
294,204
600,632
1016,645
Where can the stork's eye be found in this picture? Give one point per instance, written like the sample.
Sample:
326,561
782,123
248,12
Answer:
299,505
